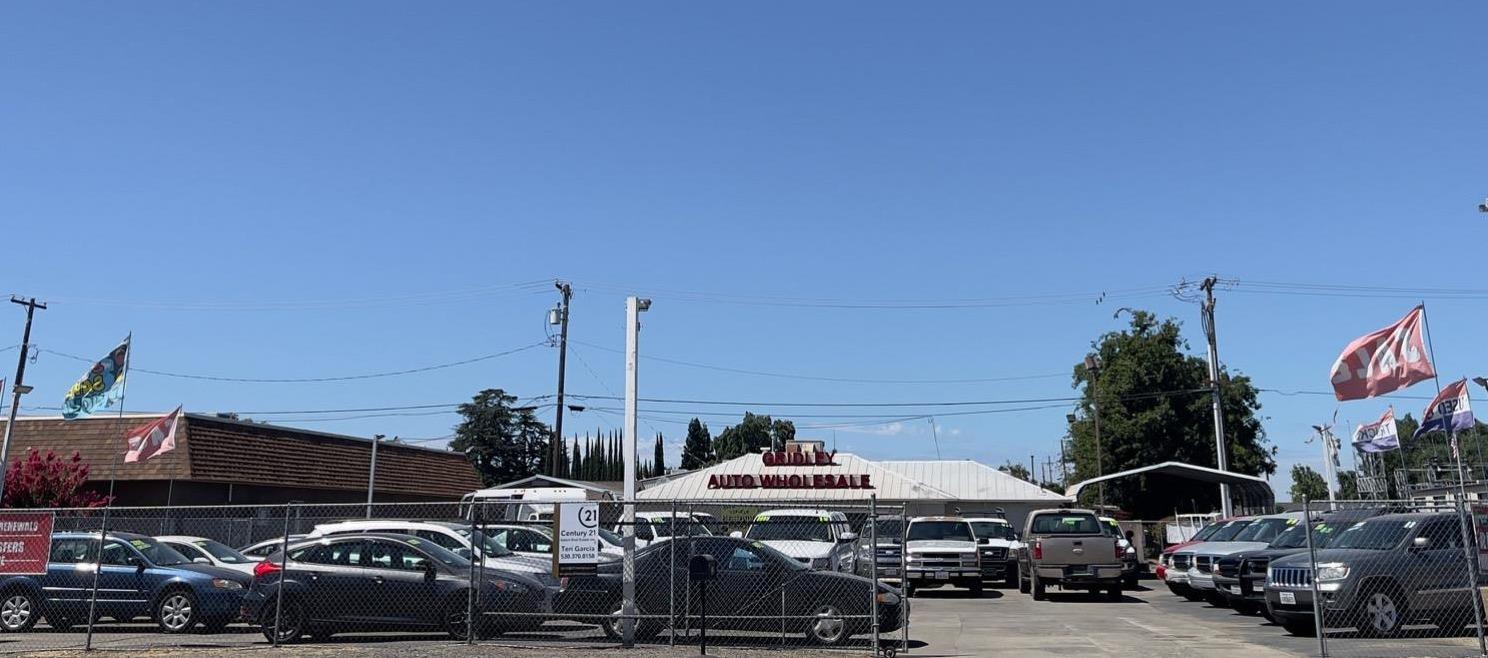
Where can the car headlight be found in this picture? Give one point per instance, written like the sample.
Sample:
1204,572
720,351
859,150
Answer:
844,561
223,583
821,563
888,598
1332,571
509,586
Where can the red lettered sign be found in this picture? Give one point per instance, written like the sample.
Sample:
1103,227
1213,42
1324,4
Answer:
25,542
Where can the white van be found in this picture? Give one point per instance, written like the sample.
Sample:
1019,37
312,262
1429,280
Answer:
541,509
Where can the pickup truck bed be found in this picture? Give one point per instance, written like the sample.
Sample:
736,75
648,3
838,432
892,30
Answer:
1069,550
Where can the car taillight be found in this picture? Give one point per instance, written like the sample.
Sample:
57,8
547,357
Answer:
1038,550
264,568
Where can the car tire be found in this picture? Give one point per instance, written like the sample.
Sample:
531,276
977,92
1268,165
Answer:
456,620
1216,599
1022,584
976,589
828,628
1129,582
1114,593
18,612
1038,588
176,612
292,621
614,627
1012,577
909,591
1380,613
1245,608
1300,628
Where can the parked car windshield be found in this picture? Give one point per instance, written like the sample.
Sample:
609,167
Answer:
222,552
488,546
992,530
1206,532
941,530
1264,529
1229,531
887,529
157,553
1373,535
685,527
445,555
1066,524
793,528
790,563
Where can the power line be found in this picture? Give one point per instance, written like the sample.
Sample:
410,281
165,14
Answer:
434,297
1086,297
959,403
308,380
817,378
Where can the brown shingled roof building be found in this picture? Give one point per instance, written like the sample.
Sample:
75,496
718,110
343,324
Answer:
224,460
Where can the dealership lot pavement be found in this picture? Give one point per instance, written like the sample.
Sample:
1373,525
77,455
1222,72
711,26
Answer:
947,623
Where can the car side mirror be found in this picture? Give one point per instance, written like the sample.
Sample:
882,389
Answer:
1421,543
430,572
138,564
848,536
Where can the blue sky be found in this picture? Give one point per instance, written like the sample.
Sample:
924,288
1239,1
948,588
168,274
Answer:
225,179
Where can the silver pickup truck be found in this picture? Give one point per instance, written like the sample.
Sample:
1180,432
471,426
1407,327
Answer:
1067,548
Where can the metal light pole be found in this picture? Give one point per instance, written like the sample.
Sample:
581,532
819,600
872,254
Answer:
1092,364
20,384
372,473
633,308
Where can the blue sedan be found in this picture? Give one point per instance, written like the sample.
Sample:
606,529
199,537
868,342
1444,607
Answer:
139,577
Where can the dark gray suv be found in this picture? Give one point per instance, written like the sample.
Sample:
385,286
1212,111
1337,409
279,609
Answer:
1378,575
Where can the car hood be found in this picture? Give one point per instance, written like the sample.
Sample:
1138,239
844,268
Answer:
998,543
801,549
1183,546
941,545
215,572
520,564
1344,555
1272,553
1226,547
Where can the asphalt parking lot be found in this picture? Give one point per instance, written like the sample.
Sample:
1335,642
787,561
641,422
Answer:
946,623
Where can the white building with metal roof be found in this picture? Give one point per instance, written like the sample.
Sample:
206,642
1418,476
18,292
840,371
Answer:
923,487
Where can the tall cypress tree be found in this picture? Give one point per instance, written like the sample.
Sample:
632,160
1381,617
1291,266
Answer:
658,458
576,462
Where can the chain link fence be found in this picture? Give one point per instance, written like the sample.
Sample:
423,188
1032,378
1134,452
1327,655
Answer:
1379,578
773,575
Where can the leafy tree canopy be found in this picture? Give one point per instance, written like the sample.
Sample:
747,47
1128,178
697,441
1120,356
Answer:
47,480
1308,484
750,435
504,443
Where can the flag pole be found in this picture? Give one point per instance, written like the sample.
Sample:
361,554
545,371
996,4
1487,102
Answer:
123,390
1436,377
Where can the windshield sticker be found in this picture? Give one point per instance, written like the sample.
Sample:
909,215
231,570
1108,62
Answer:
1324,529
1410,524
412,542
1071,520
139,544
762,519
1291,522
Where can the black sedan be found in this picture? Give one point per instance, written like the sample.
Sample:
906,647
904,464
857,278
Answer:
382,582
757,589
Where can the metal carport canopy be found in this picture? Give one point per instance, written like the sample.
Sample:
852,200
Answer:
1247,487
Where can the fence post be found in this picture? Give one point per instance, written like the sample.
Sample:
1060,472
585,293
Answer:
97,568
672,585
873,563
904,573
1465,520
474,576
283,574
1317,607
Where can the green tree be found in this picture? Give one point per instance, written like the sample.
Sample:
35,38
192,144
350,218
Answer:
1348,485
576,462
1307,483
503,443
658,458
697,450
1155,407
751,435
1016,470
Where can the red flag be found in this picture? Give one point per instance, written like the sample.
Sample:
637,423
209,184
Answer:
154,439
1383,361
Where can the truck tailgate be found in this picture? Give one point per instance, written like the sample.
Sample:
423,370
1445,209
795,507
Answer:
1078,550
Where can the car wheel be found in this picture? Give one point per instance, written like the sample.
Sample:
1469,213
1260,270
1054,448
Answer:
828,628
614,625
909,591
176,612
1022,583
1129,582
1012,577
1038,587
456,618
1380,614
291,617
18,612
1114,593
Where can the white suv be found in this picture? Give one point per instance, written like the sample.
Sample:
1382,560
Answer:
818,538
997,549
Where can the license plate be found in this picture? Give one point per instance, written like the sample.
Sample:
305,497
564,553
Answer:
941,575
891,572
1234,589
1289,598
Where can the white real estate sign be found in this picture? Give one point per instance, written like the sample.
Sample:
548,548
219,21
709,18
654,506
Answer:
576,529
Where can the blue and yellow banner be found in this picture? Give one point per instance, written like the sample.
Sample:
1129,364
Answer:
101,387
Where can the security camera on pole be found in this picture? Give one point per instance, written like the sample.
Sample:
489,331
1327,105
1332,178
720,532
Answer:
633,308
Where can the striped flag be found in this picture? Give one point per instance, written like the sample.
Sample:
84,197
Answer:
154,439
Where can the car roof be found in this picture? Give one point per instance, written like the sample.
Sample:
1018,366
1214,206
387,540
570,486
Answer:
181,538
987,519
75,534
798,512
937,518
1410,516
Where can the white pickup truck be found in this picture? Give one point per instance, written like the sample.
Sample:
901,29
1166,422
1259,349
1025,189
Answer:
941,550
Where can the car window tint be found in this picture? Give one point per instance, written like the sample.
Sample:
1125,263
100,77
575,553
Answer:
743,559
643,530
1443,534
187,550
72,551
536,541
346,554
1061,524
115,553
392,555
